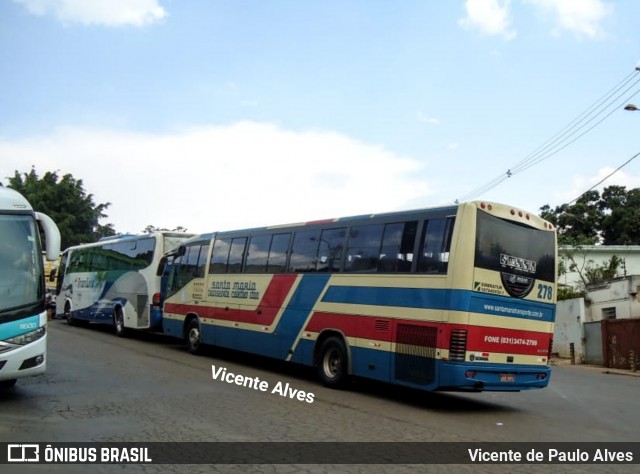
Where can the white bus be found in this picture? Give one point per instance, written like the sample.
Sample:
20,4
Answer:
23,322
115,281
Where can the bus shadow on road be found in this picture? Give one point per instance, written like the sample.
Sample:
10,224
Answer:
452,402
446,402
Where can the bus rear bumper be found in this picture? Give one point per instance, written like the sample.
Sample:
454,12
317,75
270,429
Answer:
493,377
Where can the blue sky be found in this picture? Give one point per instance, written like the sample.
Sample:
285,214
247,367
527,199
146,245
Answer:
222,114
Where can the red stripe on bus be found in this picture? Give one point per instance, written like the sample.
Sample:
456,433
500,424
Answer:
365,327
273,299
507,341
479,338
321,221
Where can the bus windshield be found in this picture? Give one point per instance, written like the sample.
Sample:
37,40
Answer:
520,253
20,262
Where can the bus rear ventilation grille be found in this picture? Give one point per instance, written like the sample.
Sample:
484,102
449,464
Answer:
458,345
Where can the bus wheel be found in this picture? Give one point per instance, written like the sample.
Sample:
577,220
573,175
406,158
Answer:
118,322
332,362
7,383
68,316
194,337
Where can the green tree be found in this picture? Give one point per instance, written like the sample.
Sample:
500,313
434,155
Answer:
612,218
579,223
151,229
67,203
621,222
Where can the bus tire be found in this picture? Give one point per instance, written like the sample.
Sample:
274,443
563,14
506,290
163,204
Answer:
193,337
71,321
118,322
7,383
332,362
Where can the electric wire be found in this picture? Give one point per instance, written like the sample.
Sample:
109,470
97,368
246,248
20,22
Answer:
568,134
599,104
605,178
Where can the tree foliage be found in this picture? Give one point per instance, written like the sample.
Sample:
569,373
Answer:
67,203
150,229
612,218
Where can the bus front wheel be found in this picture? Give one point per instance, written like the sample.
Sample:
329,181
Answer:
332,362
194,337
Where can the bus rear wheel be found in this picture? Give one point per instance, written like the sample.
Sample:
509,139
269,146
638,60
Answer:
332,362
194,337
118,322
68,316
7,383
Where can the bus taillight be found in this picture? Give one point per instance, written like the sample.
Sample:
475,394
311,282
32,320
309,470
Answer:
458,345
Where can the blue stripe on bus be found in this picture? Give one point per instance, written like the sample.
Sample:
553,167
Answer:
455,300
19,327
299,307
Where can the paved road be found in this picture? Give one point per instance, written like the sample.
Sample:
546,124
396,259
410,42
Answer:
147,388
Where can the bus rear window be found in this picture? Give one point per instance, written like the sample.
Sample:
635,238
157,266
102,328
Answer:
517,251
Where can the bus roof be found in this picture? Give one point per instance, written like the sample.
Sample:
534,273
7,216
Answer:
362,217
126,237
12,200
439,210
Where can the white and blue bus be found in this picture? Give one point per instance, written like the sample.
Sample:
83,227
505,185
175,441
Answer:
23,321
115,281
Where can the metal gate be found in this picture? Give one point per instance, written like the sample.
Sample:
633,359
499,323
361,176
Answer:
621,342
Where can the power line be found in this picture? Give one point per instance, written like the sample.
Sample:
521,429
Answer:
568,134
580,119
606,177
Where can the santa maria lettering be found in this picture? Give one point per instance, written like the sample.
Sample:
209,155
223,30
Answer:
246,290
221,374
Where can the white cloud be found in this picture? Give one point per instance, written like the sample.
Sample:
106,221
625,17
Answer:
581,17
222,177
424,118
489,16
581,184
99,12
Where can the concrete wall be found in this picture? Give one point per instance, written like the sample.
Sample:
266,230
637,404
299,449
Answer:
615,299
570,314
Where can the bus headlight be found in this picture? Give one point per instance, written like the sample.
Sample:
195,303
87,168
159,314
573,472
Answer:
27,338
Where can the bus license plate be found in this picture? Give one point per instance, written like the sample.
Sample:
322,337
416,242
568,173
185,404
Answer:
507,378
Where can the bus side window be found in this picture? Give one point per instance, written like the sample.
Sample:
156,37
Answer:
220,256
277,262
202,261
363,249
396,253
304,251
236,255
172,277
258,254
434,257
331,249
185,271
